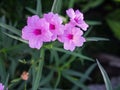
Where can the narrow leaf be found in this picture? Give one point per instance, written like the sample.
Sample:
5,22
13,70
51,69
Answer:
76,82
3,73
96,39
73,53
6,82
31,10
75,73
58,79
93,22
87,73
10,28
56,6
17,38
46,79
105,77
39,8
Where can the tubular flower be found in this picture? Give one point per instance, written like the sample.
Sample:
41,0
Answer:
77,18
72,37
55,24
36,31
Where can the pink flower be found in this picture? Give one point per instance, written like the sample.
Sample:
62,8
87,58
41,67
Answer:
77,18
36,32
72,37
1,86
55,24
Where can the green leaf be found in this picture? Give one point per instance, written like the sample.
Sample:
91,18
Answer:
56,57
74,81
17,38
115,27
31,10
92,4
10,28
93,22
73,53
6,82
51,57
16,80
75,73
14,48
58,80
96,39
71,3
49,89
87,73
3,73
39,71
63,58
46,79
39,8
88,31
105,77
113,20
56,7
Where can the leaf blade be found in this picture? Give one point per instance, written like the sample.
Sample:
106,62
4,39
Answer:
10,28
105,77
96,39
73,53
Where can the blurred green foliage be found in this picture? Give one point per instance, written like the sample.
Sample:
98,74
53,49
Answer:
113,21
61,68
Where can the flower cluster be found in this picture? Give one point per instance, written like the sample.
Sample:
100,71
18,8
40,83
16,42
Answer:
49,28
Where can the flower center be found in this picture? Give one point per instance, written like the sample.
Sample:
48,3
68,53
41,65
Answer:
37,31
52,27
70,36
77,19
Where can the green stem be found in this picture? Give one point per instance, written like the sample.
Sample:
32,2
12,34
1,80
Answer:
25,85
39,71
69,62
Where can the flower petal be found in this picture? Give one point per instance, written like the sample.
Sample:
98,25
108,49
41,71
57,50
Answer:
70,12
79,14
82,24
69,46
31,21
34,43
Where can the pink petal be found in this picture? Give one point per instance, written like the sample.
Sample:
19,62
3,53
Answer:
79,14
34,43
69,46
31,21
83,25
77,32
26,33
70,12
78,41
